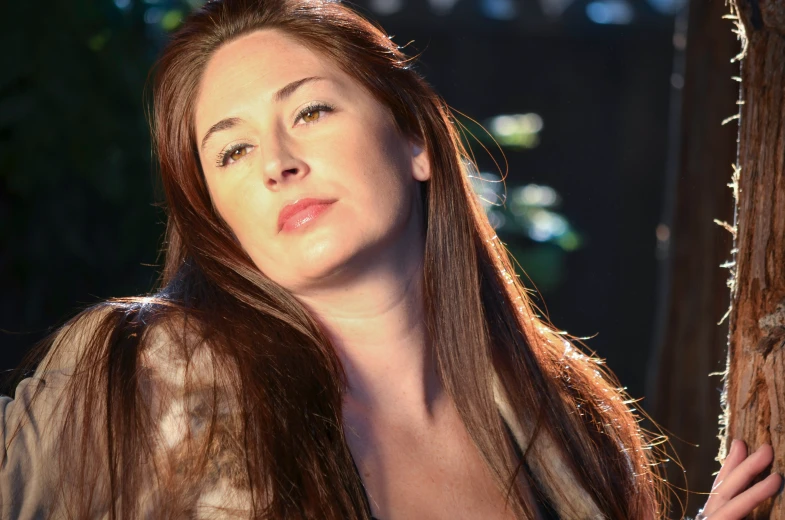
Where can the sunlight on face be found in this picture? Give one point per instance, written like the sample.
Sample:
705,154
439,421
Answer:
268,139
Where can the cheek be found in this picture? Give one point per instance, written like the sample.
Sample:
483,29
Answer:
243,210
387,183
379,161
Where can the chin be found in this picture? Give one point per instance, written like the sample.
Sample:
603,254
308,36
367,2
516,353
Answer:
320,258
312,260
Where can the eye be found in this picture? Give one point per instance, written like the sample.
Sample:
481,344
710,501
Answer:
312,113
233,154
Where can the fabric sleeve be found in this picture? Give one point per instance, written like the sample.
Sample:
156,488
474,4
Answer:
55,464
31,424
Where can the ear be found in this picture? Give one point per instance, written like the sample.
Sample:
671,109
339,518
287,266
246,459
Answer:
421,164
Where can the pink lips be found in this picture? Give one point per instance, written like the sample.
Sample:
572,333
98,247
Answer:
300,212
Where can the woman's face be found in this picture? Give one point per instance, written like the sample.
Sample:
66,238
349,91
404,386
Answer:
269,137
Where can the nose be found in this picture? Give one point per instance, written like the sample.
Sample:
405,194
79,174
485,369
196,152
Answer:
281,162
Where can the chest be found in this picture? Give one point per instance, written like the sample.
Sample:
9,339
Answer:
409,473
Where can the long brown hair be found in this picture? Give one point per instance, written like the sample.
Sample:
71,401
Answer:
273,367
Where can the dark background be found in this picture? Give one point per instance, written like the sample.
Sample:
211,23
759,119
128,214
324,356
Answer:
78,220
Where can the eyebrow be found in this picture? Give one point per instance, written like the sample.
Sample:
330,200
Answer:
278,97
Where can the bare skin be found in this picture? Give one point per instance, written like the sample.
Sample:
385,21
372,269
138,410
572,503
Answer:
357,266
732,497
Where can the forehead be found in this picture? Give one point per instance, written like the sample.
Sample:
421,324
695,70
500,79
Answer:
253,67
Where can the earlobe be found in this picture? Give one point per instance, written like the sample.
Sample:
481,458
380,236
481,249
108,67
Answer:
421,165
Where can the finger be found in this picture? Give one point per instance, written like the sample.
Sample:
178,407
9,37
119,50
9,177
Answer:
743,504
741,476
736,455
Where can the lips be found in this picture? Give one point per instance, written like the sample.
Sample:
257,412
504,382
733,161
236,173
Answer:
300,212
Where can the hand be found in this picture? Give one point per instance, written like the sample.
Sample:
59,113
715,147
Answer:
730,499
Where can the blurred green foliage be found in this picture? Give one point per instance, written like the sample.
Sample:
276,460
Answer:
77,215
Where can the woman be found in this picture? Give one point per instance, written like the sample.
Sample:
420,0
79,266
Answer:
338,333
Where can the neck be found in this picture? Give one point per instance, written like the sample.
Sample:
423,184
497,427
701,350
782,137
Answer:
377,326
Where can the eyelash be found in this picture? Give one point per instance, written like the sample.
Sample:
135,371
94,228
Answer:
224,156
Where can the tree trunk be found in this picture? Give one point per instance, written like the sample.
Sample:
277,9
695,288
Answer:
755,383
681,396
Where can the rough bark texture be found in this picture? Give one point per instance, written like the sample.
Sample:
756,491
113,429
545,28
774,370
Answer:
684,398
755,391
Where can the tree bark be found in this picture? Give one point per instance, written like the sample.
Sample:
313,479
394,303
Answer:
681,396
755,382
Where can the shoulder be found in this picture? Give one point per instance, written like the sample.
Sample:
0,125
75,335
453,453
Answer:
152,328
69,342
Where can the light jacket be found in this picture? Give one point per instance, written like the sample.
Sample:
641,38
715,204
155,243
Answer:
31,476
